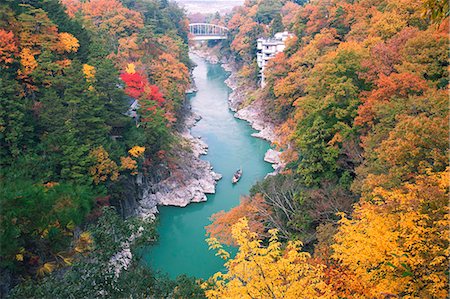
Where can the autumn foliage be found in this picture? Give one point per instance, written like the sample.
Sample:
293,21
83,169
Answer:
253,208
134,84
259,271
360,101
403,232
68,143
104,168
8,47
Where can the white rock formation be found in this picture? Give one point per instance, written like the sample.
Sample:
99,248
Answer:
192,179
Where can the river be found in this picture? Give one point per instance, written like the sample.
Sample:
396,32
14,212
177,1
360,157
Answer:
181,247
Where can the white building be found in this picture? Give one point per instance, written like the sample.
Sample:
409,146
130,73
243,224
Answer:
268,48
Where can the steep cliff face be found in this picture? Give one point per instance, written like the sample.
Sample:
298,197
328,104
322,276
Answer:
129,192
188,180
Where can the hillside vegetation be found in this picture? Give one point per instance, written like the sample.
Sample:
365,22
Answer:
359,98
69,72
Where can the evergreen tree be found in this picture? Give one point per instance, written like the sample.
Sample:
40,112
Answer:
277,24
112,98
14,120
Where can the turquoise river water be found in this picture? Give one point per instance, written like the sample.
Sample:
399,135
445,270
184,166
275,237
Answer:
181,247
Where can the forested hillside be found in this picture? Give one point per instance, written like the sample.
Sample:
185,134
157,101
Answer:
92,101
359,98
70,142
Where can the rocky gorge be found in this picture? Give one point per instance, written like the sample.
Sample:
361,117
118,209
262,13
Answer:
252,112
192,178
190,181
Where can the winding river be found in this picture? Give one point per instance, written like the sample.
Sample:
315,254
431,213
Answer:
181,248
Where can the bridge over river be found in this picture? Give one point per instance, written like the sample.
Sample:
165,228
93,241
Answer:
205,31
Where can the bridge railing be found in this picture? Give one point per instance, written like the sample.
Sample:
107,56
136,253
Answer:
205,29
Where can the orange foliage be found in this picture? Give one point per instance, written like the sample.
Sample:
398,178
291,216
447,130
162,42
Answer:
111,16
137,151
65,63
128,49
253,208
387,24
396,85
37,31
289,12
72,6
127,163
8,47
415,141
242,43
169,73
50,185
385,55
170,45
27,61
67,43
172,78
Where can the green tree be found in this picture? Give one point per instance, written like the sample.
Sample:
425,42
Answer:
276,25
15,128
94,277
268,10
37,221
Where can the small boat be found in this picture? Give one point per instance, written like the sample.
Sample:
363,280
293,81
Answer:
237,175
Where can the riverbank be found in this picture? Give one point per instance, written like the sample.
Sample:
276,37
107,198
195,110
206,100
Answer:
190,178
253,111
181,246
189,181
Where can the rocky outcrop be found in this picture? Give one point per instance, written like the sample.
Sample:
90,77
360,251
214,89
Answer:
207,54
252,112
272,156
189,181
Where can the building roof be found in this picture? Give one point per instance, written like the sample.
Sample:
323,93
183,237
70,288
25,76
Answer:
277,39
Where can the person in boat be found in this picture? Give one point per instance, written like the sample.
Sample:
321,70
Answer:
237,175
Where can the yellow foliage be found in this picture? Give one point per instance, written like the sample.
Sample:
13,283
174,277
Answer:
396,243
387,24
128,163
67,260
266,272
89,72
136,151
67,42
28,61
104,167
46,268
84,243
130,69
19,257
71,225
